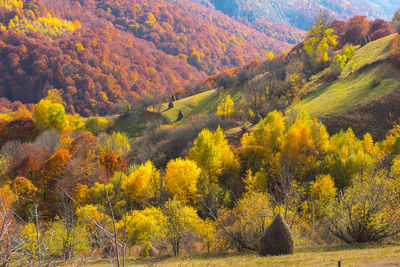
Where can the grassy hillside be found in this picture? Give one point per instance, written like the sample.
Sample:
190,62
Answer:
365,94
367,77
197,104
362,255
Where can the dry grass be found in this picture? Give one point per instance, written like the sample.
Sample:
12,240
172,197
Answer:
361,255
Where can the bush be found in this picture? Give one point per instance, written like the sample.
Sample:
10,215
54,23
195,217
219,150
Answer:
242,227
367,211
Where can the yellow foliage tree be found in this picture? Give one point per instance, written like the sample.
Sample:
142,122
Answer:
142,184
212,153
181,176
322,192
183,225
117,142
46,25
48,114
142,227
320,38
226,107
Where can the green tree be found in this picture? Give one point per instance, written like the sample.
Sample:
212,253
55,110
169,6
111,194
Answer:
340,61
56,117
96,125
320,39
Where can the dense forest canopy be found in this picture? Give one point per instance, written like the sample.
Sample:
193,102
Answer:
100,53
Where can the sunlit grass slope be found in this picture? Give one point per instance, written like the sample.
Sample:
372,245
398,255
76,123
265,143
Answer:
367,77
202,103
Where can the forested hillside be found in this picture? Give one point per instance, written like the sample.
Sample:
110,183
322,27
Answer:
99,53
301,13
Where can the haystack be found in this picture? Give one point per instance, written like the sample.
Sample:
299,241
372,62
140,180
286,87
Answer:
277,239
180,115
170,104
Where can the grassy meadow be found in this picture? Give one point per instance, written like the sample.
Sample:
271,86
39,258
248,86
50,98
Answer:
356,255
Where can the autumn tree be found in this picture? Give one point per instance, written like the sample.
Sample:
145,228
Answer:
84,165
142,227
322,192
26,195
181,177
320,39
55,97
395,50
8,228
52,171
96,125
396,21
212,153
88,216
47,114
357,27
27,161
116,142
348,156
143,184
183,225
111,162
225,109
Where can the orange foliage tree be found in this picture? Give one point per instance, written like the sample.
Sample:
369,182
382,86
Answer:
395,51
111,162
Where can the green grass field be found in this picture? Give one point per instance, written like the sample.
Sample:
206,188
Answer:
367,82
202,103
361,80
359,255
374,51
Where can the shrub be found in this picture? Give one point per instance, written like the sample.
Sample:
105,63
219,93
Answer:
367,211
242,227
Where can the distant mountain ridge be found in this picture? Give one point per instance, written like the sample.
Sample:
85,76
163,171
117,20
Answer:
301,13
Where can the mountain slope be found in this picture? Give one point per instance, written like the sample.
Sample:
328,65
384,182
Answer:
365,97
301,13
121,49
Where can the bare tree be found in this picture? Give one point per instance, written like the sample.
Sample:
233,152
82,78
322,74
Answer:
9,231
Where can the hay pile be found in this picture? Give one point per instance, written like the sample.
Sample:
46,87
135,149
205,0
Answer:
277,239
